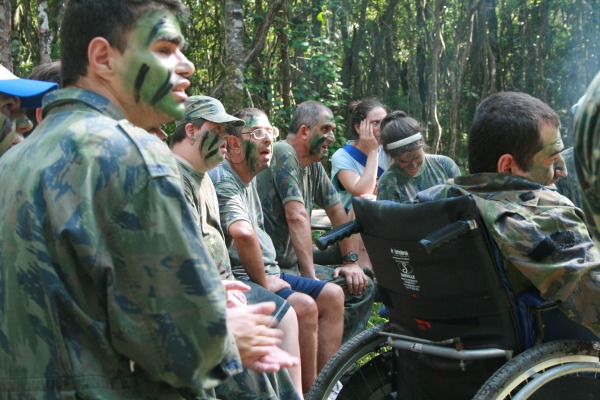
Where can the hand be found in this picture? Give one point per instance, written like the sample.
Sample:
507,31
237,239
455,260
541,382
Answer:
371,197
275,283
255,339
367,143
356,280
234,293
273,362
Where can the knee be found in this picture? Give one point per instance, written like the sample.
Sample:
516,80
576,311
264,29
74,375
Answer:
331,297
304,305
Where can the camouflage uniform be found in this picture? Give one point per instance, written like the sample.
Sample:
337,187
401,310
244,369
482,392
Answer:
395,185
285,180
569,186
102,266
542,237
200,193
239,200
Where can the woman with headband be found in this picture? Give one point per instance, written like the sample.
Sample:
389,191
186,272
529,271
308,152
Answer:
413,170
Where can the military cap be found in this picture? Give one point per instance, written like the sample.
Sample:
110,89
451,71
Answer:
208,108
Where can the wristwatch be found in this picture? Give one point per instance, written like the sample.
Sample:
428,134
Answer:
351,257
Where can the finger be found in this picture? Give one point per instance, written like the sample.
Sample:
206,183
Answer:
336,272
266,307
235,285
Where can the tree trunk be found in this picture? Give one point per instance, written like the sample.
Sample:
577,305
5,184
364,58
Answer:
233,86
5,34
436,53
457,71
45,34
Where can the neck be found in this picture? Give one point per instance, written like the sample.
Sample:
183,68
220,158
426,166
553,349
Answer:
241,168
302,150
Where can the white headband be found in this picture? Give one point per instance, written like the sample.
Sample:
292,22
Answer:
405,141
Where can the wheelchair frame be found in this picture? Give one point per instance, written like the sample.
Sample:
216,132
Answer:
366,366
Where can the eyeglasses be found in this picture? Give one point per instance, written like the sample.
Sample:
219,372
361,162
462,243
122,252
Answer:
261,133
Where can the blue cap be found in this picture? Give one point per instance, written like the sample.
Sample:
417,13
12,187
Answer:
29,91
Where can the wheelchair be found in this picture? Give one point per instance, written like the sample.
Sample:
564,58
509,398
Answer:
456,329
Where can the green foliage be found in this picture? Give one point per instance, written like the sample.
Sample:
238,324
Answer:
337,51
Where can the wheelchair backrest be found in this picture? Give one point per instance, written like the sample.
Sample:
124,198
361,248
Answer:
454,290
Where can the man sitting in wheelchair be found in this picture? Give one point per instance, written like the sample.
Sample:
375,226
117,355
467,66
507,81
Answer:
464,270
514,158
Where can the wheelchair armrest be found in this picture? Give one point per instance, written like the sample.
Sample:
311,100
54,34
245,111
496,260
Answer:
446,234
338,233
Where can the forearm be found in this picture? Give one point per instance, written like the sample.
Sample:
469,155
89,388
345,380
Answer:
337,216
301,237
250,253
368,180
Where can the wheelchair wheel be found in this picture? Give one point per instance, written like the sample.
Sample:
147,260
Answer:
362,368
554,370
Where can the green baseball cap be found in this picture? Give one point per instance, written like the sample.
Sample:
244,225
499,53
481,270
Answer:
208,108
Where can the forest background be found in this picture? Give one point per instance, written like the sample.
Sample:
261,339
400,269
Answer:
434,59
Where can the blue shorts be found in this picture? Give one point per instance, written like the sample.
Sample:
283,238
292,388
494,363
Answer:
301,284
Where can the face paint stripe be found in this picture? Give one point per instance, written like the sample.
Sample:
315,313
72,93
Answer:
210,154
155,30
162,90
139,81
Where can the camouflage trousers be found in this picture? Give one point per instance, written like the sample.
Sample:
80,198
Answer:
250,385
357,308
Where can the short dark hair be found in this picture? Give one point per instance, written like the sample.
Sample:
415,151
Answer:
507,123
307,113
111,19
49,72
397,125
359,110
179,134
245,114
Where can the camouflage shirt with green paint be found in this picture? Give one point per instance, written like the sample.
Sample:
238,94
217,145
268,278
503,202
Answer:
285,180
395,185
239,201
200,192
102,265
542,237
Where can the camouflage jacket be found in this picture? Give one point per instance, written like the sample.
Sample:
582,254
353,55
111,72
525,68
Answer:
542,237
587,165
107,290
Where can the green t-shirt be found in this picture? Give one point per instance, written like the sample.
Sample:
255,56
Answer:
285,180
238,201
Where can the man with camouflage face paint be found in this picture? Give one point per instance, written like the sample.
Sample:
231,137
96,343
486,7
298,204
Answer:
199,144
107,288
514,157
319,305
288,190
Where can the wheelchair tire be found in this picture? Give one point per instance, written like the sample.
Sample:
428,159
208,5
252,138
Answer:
554,370
362,366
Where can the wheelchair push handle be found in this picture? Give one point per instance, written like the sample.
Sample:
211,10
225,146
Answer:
336,234
446,234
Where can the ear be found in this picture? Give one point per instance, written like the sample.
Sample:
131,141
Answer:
189,130
305,132
100,57
233,142
507,164
38,114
